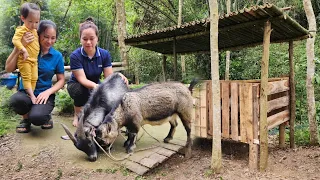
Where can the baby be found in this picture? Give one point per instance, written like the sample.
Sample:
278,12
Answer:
28,60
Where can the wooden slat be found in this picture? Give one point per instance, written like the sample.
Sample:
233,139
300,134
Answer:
196,93
278,86
225,110
209,107
278,103
256,110
203,111
246,105
278,119
253,156
135,167
234,111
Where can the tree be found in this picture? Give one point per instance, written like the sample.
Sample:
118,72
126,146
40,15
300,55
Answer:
121,19
226,77
314,139
216,107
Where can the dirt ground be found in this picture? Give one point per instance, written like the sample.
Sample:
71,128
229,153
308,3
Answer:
48,163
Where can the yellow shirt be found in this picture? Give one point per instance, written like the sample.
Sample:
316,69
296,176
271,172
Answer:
33,48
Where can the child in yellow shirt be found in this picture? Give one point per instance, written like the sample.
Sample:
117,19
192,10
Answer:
28,60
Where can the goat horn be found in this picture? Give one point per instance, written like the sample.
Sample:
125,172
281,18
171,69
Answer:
66,129
80,130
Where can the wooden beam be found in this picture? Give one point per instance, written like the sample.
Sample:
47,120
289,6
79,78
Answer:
292,95
264,97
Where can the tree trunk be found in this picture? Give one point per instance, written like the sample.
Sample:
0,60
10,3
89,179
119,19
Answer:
310,72
227,73
183,61
216,159
121,19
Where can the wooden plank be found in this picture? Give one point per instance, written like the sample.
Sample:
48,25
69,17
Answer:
172,147
246,113
165,152
234,111
139,155
225,110
278,103
282,140
277,119
253,156
197,112
203,111
256,111
209,107
135,167
278,86
158,157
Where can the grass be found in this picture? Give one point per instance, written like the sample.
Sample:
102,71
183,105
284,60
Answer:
8,119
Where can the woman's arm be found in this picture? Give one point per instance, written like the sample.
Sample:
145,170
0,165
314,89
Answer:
11,62
107,71
82,79
44,96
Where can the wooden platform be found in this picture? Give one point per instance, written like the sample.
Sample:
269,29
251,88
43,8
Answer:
143,161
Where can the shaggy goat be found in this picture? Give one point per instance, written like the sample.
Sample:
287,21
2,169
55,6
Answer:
153,104
108,94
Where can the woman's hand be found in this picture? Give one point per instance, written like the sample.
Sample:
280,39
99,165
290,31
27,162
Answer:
124,78
27,38
43,97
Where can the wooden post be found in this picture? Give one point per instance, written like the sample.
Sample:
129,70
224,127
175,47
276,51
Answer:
264,97
164,67
292,95
174,60
282,128
216,159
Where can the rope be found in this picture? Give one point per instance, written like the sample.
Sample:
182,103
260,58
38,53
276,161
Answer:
128,155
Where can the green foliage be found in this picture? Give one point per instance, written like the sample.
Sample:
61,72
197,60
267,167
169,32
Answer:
64,102
8,118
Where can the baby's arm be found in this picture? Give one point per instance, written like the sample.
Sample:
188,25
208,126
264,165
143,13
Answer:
16,40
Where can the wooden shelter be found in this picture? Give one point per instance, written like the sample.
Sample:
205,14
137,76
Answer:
250,107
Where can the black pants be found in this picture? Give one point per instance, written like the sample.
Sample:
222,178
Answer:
78,93
38,114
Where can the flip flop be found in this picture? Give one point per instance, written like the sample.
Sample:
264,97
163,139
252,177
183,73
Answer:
24,126
47,125
65,137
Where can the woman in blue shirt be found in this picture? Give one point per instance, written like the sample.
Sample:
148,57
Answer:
50,62
87,63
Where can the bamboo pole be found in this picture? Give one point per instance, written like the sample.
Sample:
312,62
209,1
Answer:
264,97
292,95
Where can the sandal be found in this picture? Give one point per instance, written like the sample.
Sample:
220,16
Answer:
24,126
47,125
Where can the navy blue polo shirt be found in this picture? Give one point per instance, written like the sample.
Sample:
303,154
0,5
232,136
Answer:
91,67
48,65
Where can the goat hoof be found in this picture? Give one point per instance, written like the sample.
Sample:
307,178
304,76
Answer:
166,140
126,144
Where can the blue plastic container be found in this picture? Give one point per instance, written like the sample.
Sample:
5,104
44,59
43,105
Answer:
9,81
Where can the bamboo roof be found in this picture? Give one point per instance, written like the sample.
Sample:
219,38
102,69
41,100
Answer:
236,30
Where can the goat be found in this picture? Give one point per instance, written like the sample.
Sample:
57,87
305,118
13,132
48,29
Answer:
153,104
101,101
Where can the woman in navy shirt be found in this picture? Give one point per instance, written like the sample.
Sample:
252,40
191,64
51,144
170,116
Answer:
50,62
87,63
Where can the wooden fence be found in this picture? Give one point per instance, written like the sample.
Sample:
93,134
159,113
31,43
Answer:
240,106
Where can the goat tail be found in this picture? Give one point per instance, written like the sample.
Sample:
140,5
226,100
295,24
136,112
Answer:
193,84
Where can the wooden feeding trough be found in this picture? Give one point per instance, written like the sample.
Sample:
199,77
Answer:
240,101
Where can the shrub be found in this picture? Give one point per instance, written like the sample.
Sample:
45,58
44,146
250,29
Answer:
64,102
